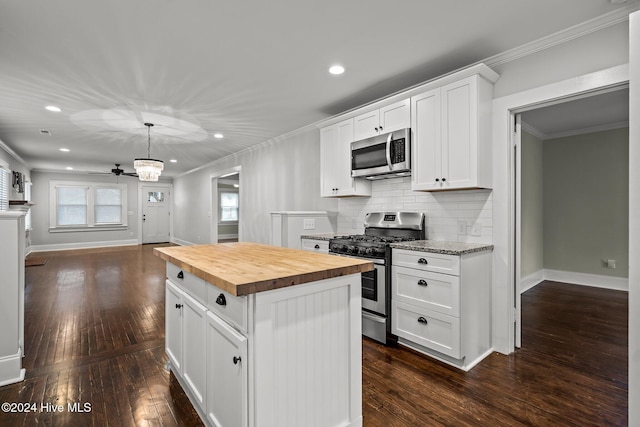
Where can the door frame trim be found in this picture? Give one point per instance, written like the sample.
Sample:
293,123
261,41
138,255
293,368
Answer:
504,253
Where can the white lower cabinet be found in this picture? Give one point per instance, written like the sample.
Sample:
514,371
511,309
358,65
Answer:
441,304
227,396
185,329
273,359
194,368
173,325
315,245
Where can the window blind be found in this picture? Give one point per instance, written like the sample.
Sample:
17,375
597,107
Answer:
4,189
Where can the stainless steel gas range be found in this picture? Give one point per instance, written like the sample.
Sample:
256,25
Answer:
380,230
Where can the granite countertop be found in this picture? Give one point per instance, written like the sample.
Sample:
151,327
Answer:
245,268
321,236
443,247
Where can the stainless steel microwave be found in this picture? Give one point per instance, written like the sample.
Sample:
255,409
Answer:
382,156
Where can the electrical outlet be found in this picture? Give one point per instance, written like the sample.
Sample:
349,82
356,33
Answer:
610,263
476,230
462,227
309,224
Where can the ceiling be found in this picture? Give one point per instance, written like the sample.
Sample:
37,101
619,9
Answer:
606,110
249,70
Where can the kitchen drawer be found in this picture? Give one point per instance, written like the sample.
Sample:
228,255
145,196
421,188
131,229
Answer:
427,328
434,291
427,261
231,308
195,286
314,245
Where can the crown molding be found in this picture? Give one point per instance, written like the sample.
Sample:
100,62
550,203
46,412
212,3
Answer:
580,30
593,129
13,154
533,131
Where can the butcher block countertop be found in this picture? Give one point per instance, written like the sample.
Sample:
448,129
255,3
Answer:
245,268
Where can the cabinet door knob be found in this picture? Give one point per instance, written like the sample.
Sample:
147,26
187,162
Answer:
380,128
422,261
376,129
444,179
236,360
221,300
422,282
437,179
178,306
316,247
181,275
422,320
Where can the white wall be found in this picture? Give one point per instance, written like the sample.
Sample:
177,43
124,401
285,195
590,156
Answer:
634,223
42,239
279,175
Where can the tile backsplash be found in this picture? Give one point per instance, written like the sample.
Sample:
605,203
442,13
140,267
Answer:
460,216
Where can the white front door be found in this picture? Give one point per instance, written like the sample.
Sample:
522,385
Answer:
155,214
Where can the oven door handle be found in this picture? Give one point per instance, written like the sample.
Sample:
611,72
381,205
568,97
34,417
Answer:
388,151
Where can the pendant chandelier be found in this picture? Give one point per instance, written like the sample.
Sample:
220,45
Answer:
148,169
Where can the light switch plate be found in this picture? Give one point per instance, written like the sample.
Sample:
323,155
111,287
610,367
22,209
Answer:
309,224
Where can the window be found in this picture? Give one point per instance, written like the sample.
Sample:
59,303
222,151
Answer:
228,206
4,188
71,205
108,206
78,206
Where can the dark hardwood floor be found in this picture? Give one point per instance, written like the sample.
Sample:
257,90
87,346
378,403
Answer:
94,334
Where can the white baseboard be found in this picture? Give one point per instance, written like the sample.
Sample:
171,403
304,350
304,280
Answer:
574,278
85,245
181,242
11,370
531,280
595,280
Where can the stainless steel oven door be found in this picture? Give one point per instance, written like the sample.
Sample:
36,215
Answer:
373,289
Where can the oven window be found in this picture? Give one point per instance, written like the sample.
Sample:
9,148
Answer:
369,288
369,157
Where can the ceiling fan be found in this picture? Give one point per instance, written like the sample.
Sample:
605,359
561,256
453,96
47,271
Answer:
116,171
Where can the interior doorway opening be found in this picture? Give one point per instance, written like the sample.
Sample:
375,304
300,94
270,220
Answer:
226,211
571,193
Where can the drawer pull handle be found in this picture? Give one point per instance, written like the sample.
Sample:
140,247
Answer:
422,282
316,247
178,306
221,300
236,360
181,275
422,261
422,320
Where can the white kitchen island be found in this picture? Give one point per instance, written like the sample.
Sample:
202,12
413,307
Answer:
260,335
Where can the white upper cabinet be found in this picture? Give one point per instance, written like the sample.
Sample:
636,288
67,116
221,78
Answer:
451,136
386,119
335,162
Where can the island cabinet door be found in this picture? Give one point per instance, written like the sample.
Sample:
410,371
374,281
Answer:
227,394
194,321
173,326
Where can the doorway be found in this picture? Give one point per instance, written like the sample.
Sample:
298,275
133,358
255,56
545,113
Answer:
571,193
226,213
155,203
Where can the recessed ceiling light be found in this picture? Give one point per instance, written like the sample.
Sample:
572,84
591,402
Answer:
336,69
65,150
69,168
218,135
173,161
53,108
